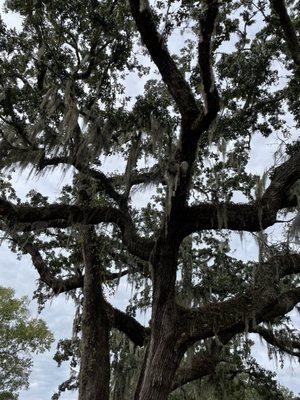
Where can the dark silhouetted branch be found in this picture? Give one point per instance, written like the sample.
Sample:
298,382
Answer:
171,75
289,30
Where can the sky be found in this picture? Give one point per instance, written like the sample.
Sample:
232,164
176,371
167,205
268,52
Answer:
58,314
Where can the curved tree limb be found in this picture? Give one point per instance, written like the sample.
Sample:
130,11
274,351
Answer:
153,175
125,323
260,303
248,217
58,285
233,316
62,215
104,182
171,75
288,28
205,363
118,319
207,23
201,364
15,121
199,367
289,346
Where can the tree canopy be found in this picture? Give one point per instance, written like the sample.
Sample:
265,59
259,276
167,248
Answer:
180,97
20,336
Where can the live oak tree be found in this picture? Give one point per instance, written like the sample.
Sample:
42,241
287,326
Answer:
185,140
20,336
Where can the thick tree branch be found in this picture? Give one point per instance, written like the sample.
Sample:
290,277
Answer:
233,316
119,320
58,285
15,121
103,181
248,217
92,62
207,23
285,264
125,323
238,217
60,215
260,303
199,367
290,34
153,175
283,343
202,364
171,75
193,131
132,264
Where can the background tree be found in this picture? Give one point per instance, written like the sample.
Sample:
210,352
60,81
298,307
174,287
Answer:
188,137
20,336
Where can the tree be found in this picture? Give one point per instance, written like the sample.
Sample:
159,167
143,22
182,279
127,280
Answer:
20,335
188,137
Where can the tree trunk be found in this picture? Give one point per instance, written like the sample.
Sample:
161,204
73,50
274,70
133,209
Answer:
95,365
163,361
164,355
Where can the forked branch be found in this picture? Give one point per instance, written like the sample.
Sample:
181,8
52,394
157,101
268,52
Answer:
171,75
